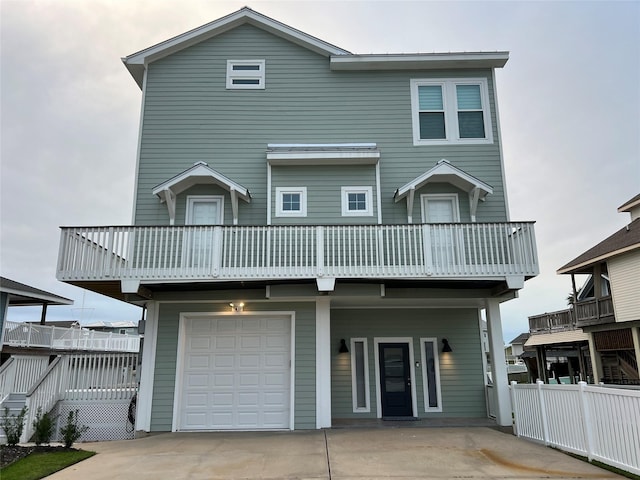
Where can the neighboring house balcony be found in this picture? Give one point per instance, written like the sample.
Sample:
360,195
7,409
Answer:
594,311
30,336
552,322
179,254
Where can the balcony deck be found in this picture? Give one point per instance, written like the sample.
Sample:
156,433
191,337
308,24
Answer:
174,254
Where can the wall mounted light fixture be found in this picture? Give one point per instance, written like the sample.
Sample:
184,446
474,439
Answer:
237,307
445,346
343,346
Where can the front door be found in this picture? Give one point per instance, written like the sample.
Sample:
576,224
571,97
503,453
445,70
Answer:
395,380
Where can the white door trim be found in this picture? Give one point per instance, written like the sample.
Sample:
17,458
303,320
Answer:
425,197
193,199
376,350
184,316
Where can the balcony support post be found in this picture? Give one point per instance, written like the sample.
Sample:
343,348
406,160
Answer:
145,390
498,363
323,362
596,361
635,333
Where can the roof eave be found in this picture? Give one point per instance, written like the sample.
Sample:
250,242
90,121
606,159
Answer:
582,266
420,61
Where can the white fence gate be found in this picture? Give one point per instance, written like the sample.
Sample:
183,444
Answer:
598,422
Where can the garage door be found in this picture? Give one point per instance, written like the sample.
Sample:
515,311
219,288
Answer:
236,373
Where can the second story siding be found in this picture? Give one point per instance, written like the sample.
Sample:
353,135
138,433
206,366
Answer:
190,116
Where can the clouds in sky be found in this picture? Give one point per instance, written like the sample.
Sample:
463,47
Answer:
569,103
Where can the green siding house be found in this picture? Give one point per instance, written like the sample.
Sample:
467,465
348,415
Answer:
316,233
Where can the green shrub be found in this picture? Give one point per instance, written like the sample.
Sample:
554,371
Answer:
72,431
43,427
13,425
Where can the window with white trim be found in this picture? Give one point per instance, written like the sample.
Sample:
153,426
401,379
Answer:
245,74
291,202
446,111
357,201
431,375
360,375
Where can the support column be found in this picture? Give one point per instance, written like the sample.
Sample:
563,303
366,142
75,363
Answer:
323,362
596,362
145,390
498,363
635,333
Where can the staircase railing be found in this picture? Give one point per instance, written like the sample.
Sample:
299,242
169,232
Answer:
7,378
45,393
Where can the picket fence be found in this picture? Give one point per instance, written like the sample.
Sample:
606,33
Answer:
598,422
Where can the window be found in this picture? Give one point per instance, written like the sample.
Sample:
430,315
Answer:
360,375
245,74
356,201
431,375
291,202
450,111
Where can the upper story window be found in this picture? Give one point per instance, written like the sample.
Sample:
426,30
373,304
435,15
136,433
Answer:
447,111
245,74
356,201
291,202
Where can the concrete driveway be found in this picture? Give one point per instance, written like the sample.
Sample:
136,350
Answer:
359,453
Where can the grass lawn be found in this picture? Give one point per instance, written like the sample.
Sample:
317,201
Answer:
40,464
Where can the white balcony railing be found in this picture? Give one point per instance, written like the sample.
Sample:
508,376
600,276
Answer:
188,253
17,334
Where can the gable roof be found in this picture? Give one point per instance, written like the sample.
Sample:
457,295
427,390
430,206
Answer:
444,172
199,173
520,339
136,62
630,204
624,240
24,295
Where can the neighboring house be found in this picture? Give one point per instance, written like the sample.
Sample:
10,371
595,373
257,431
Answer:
16,294
122,328
597,339
315,232
515,349
611,316
59,367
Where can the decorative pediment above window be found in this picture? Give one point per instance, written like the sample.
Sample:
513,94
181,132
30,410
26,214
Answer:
200,173
444,172
323,154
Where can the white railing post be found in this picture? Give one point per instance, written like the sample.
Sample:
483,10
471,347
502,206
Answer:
543,412
514,407
320,251
586,420
217,251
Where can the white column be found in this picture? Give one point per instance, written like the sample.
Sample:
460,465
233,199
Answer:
145,391
635,332
323,362
596,361
498,363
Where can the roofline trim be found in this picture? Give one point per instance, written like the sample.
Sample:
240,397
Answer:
586,263
411,61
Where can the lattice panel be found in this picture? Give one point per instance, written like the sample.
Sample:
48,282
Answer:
106,420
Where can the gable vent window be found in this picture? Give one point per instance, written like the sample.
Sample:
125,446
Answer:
245,74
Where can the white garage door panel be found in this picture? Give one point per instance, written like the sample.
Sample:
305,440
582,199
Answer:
236,374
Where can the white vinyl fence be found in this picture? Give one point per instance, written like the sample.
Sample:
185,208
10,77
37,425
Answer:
598,422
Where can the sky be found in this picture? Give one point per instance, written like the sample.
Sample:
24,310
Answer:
569,106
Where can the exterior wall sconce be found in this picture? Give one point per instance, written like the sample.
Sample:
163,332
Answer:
343,346
237,307
445,346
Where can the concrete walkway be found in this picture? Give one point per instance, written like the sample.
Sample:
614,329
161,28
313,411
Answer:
364,453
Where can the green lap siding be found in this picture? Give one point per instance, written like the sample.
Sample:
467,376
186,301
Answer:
190,116
461,371
167,347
